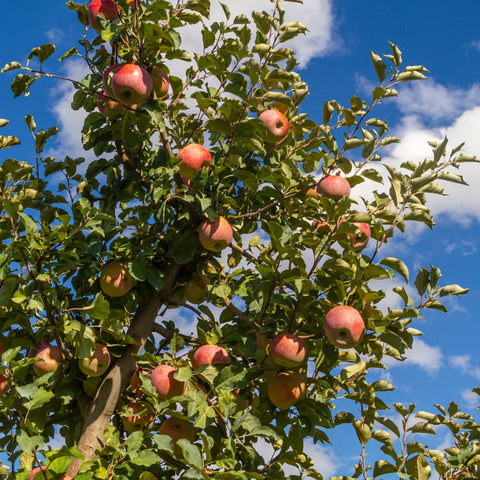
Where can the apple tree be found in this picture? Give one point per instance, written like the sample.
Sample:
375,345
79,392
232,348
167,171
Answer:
208,194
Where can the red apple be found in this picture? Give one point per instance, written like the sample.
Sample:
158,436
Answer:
40,473
164,382
50,356
97,364
285,388
115,280
140,418
101,8
343,326
361,239
333,186
276,123
107,78
131,84
160,81
192,158
4,384
109,108
196,289
209,355
288,350
215,236
176,429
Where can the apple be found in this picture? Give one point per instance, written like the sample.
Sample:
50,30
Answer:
177,428
361,239
115,279
131,84
192,158
215,236
285,388
322,226
333,186
160,81
4,384
1,348
164,382
276,123
101,8
288,350
107,78
97,364
343,326
40,473
141,416
196,289
209,355
50,356
109,108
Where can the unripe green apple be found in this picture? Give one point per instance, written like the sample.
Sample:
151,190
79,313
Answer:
196,289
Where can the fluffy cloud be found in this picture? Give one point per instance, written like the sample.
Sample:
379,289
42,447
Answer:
465,365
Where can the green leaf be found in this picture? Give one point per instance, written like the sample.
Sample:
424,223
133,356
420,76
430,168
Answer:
397,265
191,453
452,290
11,66
379,66
29,444
42,53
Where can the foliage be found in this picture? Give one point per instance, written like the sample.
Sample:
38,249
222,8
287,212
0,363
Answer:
62,220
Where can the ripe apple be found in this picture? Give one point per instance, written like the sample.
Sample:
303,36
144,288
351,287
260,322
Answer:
276,123
164,382
333,186
196,289
285,388
97,364
192,158
4,384
50,356
288,350
109,108
40,473
107,78
1,348
360,240
141,416
131,84
215,236
177,428
209,355
101,8
115,279
343,326
160,81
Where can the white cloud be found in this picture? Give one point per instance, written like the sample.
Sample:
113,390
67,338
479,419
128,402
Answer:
465,365
471,399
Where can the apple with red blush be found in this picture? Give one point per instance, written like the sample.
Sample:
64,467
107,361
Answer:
193,157
49,357
139,416
177,429
161,82
359,240
98,363
288,350
131,84
286,388
344,326
115,279
165,383
334,187
215,236
107,9
210,355
276,124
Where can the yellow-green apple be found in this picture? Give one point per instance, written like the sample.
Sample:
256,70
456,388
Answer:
131,84
288,350
192,158
160,82
209,355
215,236
97,364
177,428
285,388
196,289
361,239
343,326
333,186
40,473
276,123
108,107
50,357
140,416
165,384
101,8
115,279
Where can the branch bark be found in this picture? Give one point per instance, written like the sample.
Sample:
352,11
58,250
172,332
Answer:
103,406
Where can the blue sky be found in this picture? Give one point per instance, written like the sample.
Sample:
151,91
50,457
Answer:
441,35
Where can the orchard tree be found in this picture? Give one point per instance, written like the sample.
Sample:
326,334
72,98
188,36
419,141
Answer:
215,195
